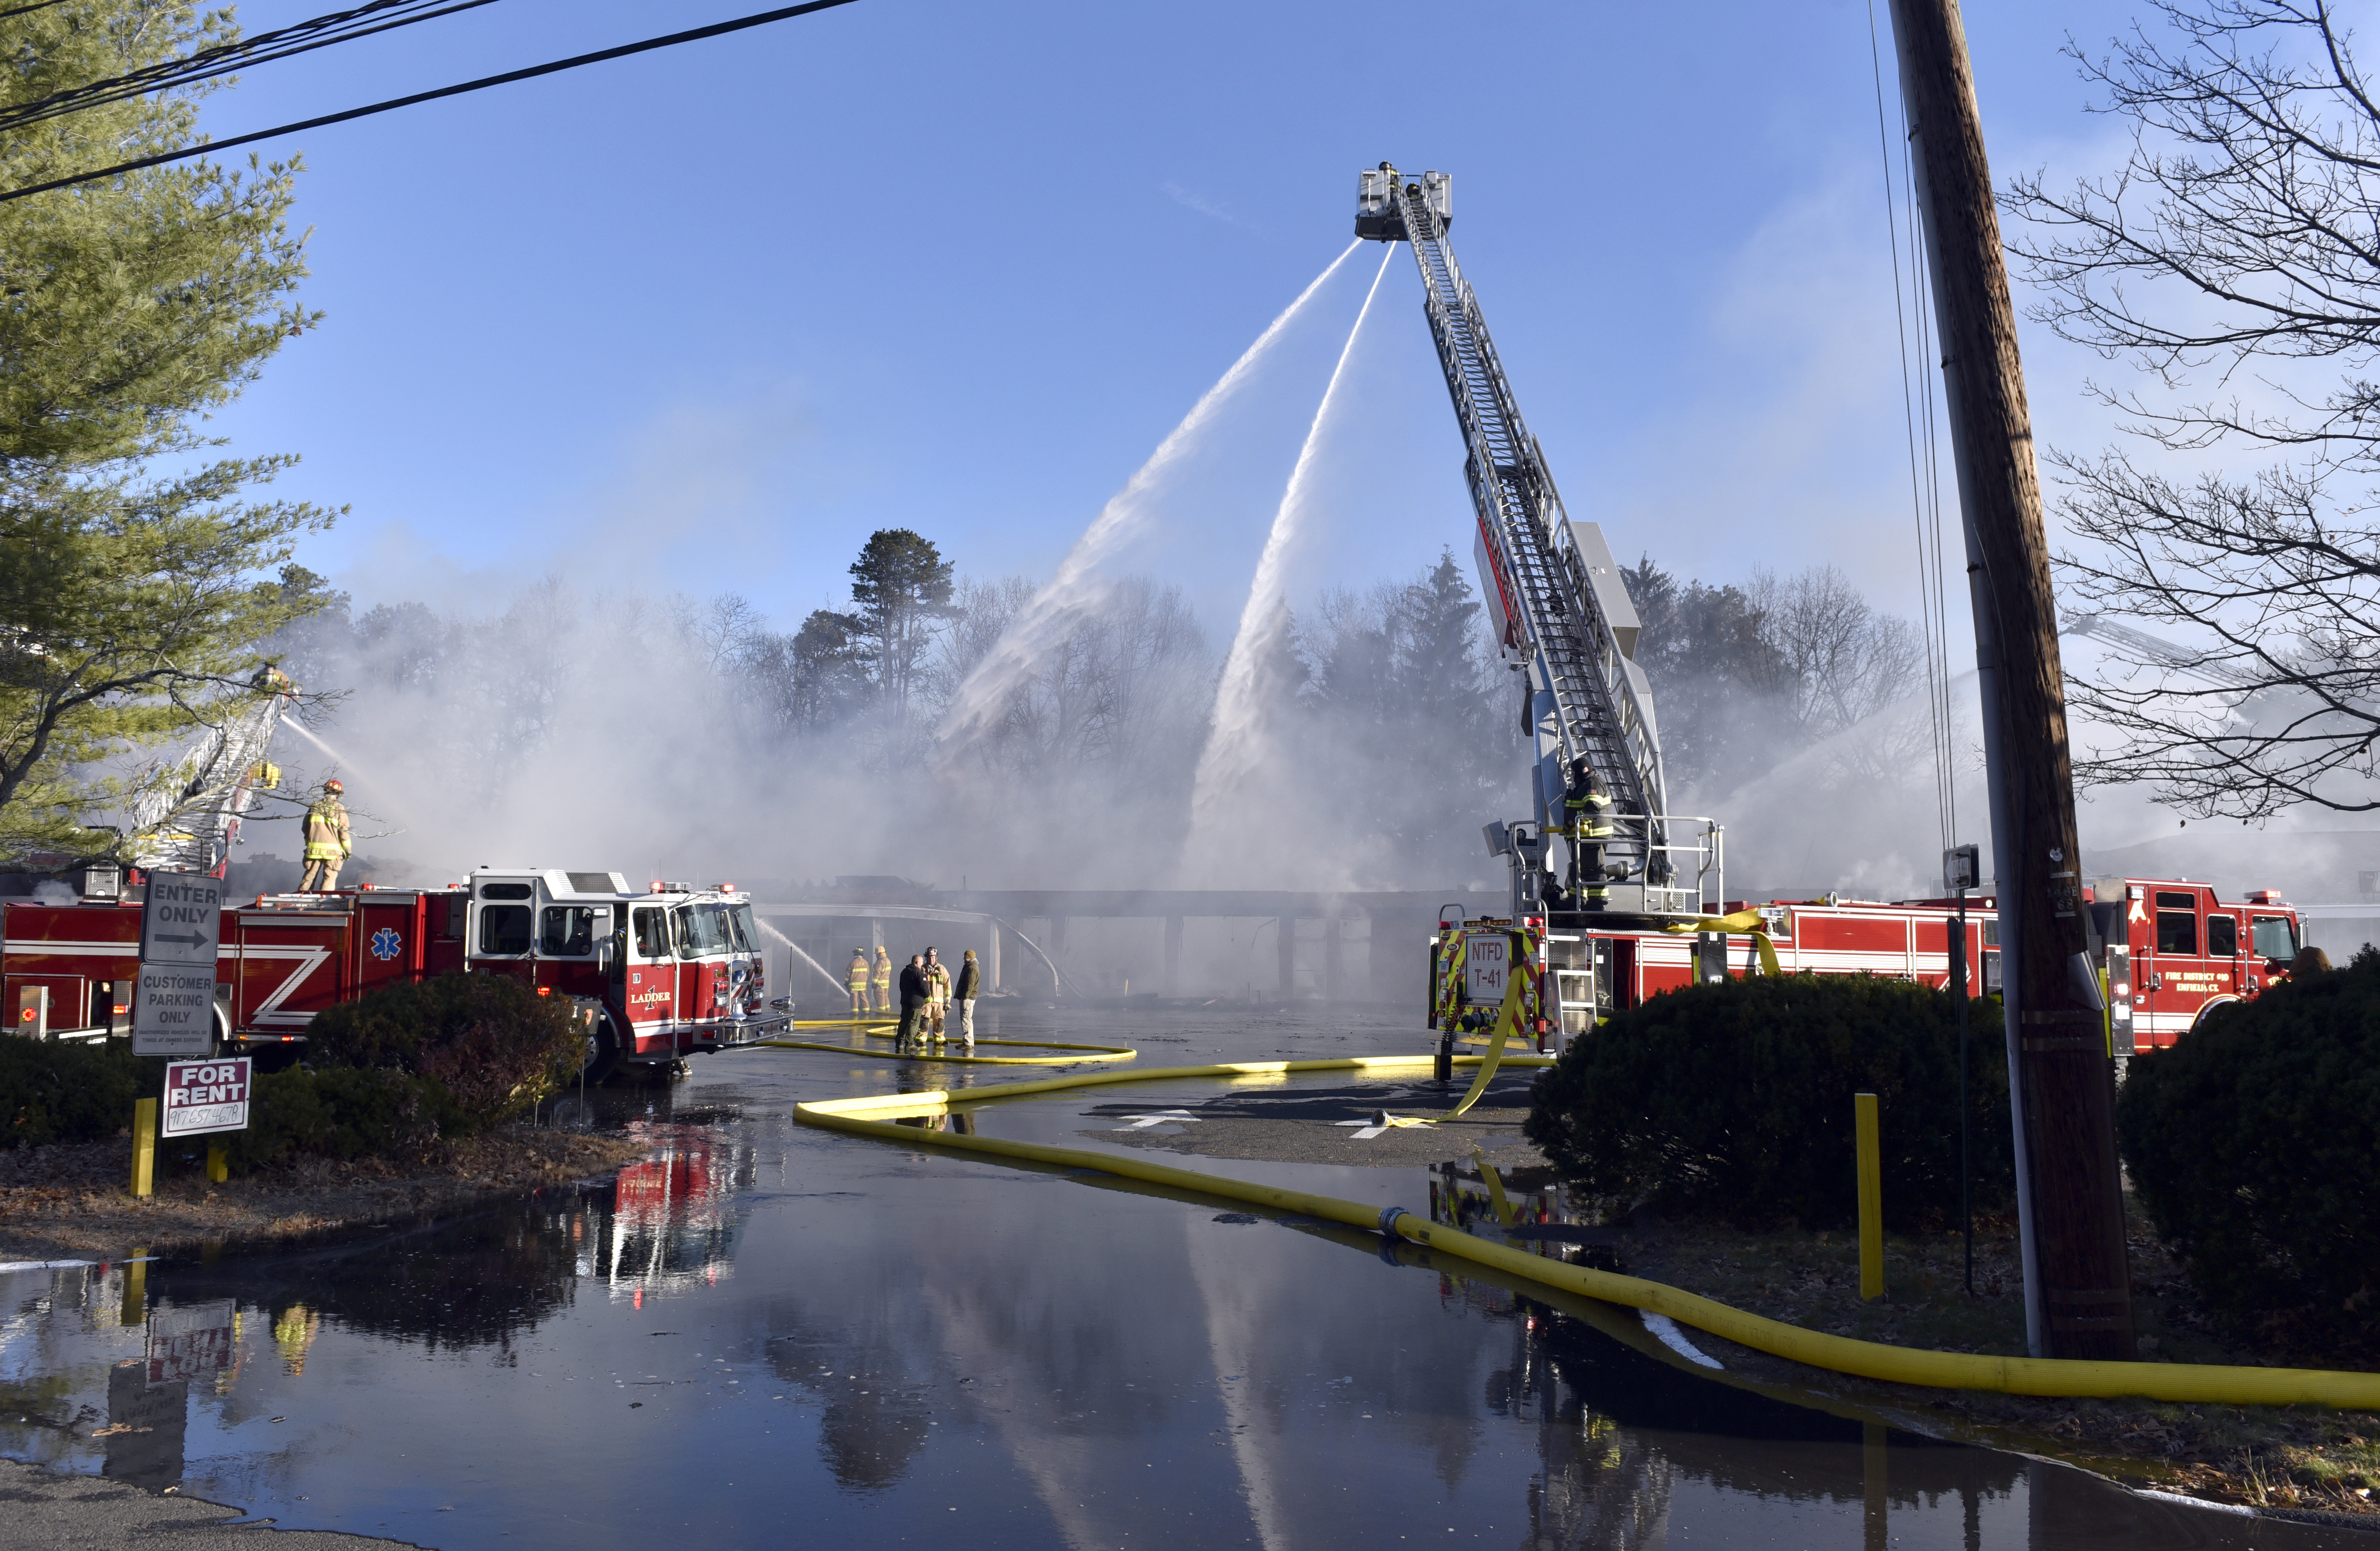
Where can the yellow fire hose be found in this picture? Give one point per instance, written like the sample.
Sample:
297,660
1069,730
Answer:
1742,922
2186,1383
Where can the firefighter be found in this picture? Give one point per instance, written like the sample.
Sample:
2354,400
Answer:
1586,819
970,985
883,980
938,993
913,1005
327,844
859,978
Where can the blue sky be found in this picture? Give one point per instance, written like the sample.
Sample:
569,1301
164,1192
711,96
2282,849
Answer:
701,320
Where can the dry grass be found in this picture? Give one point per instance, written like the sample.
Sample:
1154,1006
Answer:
2286,1458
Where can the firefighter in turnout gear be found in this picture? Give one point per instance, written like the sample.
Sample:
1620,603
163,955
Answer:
327,843
857,979
1586,819
883,980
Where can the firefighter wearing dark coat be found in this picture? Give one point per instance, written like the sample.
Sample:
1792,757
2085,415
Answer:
327,842
1586,819
912,1006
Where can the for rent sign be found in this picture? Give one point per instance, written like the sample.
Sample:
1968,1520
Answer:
203,1096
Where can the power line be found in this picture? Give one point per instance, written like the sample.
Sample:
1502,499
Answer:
378,16
621,52
39,6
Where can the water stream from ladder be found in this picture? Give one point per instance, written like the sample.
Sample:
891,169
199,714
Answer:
1234,742
1061,604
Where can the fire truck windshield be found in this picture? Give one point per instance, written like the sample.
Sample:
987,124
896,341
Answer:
698,931
739,926
2275,939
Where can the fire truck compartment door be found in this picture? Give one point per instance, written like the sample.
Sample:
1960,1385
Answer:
282,984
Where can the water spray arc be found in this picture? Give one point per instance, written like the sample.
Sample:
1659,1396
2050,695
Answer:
1232,751
1054,610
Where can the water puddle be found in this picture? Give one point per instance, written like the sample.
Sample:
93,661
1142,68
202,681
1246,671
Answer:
770,1334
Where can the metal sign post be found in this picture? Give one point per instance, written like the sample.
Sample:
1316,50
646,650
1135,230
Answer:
181,929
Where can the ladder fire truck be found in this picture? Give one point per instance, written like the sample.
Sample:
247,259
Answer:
1561,616
661,974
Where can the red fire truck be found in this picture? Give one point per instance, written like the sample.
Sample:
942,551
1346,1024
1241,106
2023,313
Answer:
2171,950
662,974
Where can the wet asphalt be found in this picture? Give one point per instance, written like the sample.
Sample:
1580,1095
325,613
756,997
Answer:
770,1334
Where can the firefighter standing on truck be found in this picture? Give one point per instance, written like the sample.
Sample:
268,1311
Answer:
327,843
857,979
1586,819
883,980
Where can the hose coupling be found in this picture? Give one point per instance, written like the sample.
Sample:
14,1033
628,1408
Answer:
1389,1216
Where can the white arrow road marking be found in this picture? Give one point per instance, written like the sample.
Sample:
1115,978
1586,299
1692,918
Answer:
1162,1117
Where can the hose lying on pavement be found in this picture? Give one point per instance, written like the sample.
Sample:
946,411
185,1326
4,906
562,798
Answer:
2187,1383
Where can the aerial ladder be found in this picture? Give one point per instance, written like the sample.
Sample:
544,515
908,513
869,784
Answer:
1556,599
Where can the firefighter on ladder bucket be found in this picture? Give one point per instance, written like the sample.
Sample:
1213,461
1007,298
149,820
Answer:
327,842
856,978
1586,819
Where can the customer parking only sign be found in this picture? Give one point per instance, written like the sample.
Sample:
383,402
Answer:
204,1096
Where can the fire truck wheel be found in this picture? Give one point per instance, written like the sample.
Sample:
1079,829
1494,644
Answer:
602,1050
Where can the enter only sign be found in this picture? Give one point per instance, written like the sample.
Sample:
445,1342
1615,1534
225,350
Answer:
204,1096
181,921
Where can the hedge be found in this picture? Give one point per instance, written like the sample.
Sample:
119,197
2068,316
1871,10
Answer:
1735,1098
2253,1145
490,1046
55,1091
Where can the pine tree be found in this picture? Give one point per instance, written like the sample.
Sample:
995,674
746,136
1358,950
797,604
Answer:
137,576
900,589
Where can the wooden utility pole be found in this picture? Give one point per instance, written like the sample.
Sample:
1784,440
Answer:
2061,1079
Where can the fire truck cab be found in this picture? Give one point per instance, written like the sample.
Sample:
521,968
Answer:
2173,951
664,974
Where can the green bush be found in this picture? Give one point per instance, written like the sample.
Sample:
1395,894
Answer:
1735,1097
345,1112
2254,1145
491,1046
52,1091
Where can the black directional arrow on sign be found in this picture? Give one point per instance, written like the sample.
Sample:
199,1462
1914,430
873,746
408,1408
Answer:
194,940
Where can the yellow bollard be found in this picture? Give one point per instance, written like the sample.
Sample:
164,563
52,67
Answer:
1871,1199
144,1145
218,1163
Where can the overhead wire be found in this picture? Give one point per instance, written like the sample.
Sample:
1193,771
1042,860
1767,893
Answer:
622,51
340,27
1925,466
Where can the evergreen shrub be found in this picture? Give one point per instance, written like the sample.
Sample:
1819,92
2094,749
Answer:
2253,1143
343,1111
1735,1098
490,1046
56,1091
